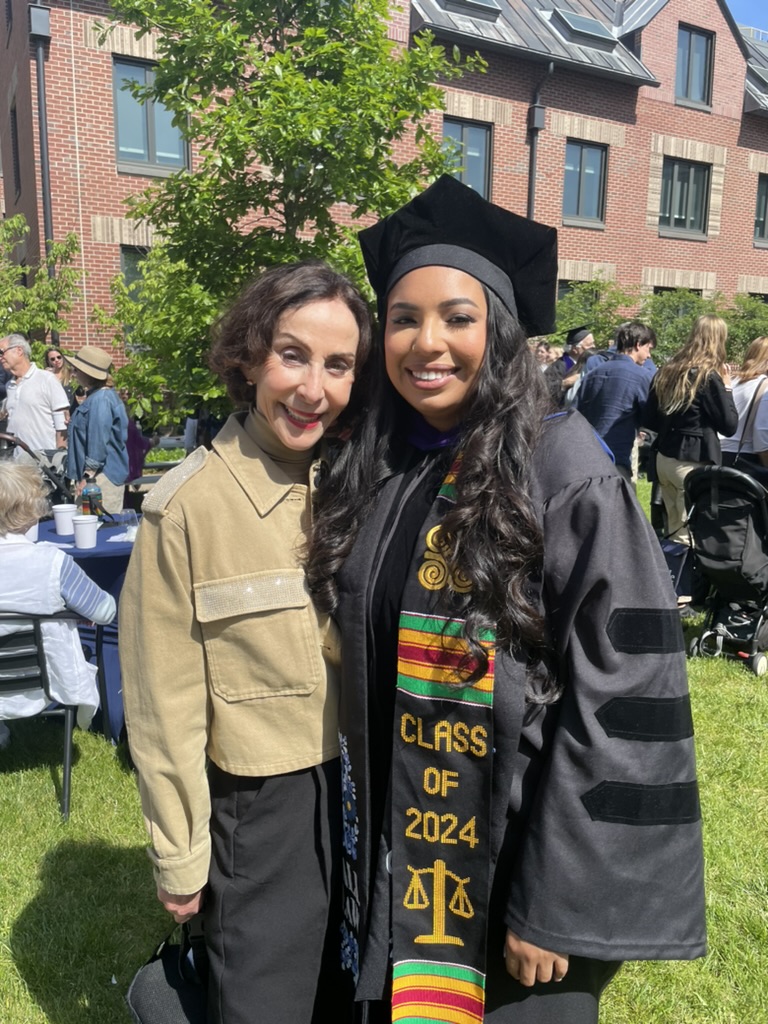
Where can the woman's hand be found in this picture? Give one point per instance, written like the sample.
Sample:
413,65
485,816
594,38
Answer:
528,963
181,907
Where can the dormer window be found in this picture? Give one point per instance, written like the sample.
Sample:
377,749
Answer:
693,81
761,74
577,28
486,10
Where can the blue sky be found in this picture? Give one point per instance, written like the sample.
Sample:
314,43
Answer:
750,12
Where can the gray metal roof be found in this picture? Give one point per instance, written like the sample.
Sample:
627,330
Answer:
638,13
756,87
529,29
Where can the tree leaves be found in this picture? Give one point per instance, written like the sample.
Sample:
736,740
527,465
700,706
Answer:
299,112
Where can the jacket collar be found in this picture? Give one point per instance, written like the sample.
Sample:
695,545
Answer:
263,481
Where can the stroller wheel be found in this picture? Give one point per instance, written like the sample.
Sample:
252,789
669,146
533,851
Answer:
759,663
693,648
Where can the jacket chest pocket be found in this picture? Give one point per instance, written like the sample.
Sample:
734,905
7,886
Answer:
259,637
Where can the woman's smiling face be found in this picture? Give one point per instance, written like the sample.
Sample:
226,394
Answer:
305,381
434,341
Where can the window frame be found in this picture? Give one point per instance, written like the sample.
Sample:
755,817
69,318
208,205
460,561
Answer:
669,230
487,128
685,100
578,219
149,167
760,234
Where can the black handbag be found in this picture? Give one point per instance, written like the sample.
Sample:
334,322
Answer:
171,987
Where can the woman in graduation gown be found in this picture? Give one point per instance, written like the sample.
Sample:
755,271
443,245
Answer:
520,799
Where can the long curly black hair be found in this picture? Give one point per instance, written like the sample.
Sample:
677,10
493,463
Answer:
492,534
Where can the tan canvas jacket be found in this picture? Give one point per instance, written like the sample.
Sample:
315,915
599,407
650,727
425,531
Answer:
222,652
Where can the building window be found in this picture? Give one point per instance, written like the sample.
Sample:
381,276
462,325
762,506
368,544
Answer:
761,213
661,289
693,82
130,263
684,197
15,163
473,153
147,141
584,185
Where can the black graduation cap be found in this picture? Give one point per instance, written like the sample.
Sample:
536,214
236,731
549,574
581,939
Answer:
450,225
577,334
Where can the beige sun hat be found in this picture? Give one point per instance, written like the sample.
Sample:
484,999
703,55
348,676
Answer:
91,360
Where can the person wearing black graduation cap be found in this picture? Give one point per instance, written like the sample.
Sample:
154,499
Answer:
560,375
519,790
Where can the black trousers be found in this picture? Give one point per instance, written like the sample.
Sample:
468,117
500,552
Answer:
271,909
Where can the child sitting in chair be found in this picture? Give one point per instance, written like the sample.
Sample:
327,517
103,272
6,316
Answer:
42,579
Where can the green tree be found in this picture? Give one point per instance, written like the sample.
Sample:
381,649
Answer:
599,304
305,117
672,315
38,305
163,318
747,319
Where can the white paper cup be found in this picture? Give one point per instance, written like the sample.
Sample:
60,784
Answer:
62,517
85,531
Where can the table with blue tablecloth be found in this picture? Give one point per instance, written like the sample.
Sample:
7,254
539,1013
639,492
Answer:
105,565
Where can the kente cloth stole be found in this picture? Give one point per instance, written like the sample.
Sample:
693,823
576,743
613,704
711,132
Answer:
441,796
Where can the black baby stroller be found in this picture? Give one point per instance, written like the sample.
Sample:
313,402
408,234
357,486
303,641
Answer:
728,522
50,463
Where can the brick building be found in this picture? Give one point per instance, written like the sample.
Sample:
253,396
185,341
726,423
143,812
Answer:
638,127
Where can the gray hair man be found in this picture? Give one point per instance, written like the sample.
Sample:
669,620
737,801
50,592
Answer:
36,403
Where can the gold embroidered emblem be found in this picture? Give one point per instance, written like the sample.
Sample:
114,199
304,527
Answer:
434,573
416,899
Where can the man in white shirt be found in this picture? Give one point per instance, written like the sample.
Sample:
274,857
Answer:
36,403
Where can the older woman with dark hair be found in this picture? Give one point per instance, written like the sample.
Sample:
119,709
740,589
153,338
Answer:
230,674
521,809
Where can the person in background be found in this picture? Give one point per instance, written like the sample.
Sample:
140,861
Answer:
42,579
613,394
750,386
520,799
230,675
689,404
542,353
36,403
98,430
53,360
564,372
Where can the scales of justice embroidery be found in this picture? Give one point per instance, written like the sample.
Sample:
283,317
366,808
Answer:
416,899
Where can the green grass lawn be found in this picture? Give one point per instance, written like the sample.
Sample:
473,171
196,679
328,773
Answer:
78,913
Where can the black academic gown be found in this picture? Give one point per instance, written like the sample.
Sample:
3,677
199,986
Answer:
595,826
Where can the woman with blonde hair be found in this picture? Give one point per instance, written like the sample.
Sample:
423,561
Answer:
54,362
750,395
690,403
